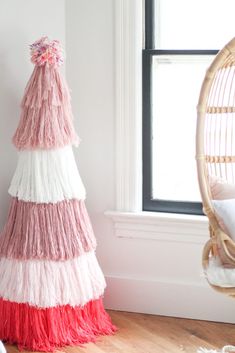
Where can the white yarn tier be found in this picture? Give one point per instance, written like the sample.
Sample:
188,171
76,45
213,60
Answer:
45,176
45,283
219,275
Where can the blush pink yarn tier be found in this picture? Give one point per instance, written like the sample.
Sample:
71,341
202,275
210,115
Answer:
46,117
46,283
58,231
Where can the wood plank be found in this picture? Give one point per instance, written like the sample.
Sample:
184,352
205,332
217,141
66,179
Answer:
142,333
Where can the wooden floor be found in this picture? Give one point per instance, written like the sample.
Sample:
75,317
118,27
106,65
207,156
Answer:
141,333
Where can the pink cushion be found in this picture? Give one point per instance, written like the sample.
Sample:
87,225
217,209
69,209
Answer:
220,189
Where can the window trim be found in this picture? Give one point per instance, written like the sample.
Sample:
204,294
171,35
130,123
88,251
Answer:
150,204
128,104
127,210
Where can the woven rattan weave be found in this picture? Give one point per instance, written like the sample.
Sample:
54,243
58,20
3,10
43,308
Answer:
215,147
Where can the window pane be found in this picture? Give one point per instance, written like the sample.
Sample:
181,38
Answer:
176,86
200,24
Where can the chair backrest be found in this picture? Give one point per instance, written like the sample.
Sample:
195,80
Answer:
215,140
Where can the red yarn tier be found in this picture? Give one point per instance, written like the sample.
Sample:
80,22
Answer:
47,329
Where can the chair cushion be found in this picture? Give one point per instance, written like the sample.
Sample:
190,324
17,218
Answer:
220,189
225,210
218,275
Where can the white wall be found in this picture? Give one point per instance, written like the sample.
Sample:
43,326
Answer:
21,23
162,277
90,74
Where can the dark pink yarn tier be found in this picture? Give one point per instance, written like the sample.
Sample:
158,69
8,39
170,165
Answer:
58,231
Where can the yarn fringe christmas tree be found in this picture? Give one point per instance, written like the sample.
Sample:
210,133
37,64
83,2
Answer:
51,285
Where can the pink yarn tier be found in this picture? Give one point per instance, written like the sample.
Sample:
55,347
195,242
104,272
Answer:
47,329
46,283
58,231
46,119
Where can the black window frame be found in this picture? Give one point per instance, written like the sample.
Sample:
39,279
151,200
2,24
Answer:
149,51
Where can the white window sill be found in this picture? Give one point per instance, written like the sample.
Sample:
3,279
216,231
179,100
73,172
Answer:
160,226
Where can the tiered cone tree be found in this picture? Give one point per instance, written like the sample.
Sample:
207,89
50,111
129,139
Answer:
51,285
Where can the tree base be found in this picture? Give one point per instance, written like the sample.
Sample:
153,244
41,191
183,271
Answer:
36,329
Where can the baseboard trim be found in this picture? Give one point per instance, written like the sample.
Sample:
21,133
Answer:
168,298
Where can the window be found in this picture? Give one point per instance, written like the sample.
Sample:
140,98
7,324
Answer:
181,39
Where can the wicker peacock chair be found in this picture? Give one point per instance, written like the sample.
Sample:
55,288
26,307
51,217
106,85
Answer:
215,155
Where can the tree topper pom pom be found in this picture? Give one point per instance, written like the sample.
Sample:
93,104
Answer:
44,51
